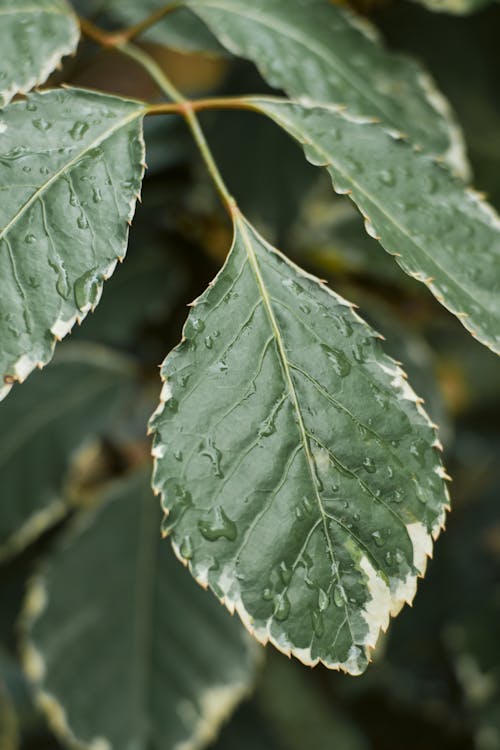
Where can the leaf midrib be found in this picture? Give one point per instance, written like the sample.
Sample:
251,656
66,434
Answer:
240,225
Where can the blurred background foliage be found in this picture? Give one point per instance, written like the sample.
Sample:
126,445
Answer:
435,680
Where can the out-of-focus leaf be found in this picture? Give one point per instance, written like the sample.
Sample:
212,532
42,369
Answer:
299,474
475,650
162,663
146,286
300,714
316,50
328,234
457,7
440,232
248,730
34,37
71,165
42,426
8,722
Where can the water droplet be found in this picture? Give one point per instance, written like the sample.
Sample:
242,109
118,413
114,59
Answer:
308,506
82,222
318,624
388,557
27,169
96,195
209,450
323,600
339,596
285,572
305,309
387,177
220,527
340,363
267,595
193,326
86,289
186,548
399,556
78,130
282,607
30,239
42,124
31,106
369,465
178,455
378,538
299,513
209,342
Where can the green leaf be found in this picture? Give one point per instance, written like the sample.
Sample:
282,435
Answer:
440,232
298,470
43,424
313,49
301,714
71,165
34,37
473,644
162,664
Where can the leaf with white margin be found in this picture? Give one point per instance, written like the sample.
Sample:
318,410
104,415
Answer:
312,49
162,664
71,166
299,473
439,231
456,7
44,424
34,37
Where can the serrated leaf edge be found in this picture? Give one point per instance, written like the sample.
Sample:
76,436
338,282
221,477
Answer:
60,328
386,600
51,63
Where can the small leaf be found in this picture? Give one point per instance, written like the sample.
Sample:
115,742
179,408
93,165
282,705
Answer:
34,37
313,49
296,458
43,425
440,232
162,664
71,165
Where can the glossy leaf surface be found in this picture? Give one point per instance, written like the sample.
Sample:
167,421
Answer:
440,232
162,663
299,474
34,37
312,49
71,165
43,424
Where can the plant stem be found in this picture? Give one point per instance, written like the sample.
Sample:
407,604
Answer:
133,31
117,38
198,105
187,109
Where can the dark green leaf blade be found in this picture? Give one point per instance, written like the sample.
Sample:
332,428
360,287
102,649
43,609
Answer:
297,469
162,664
71,166
315,50
34,37
43,425
440,232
